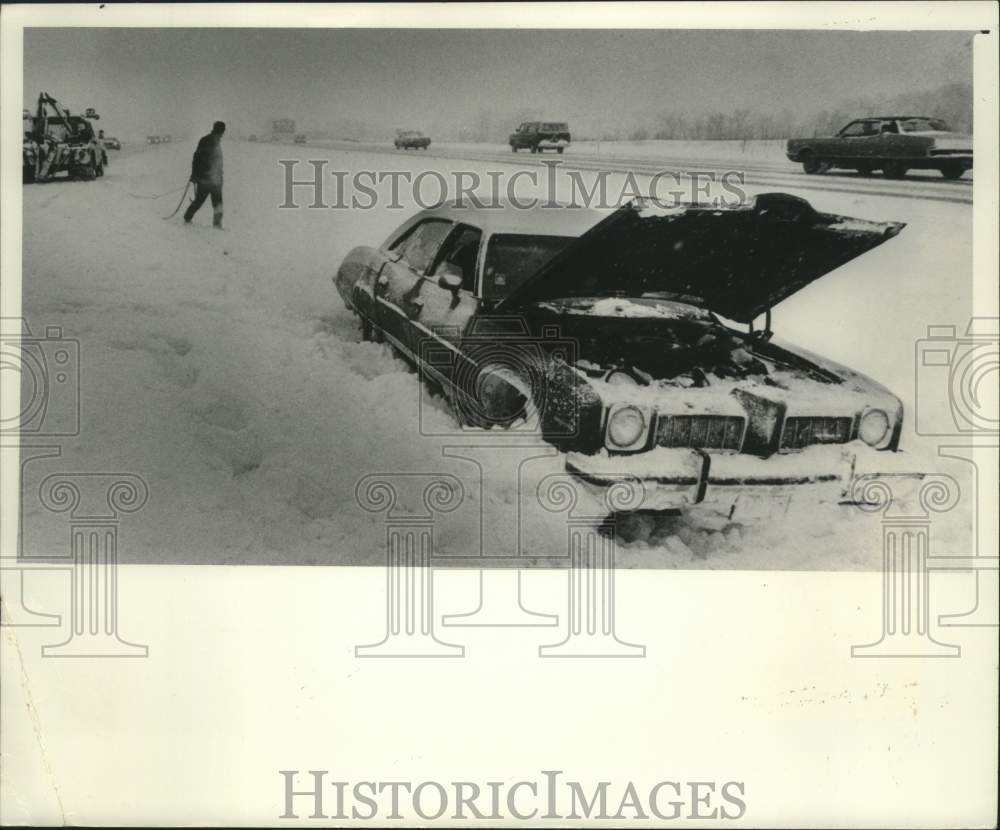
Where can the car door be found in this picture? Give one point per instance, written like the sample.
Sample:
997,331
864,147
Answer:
398,283
852,138
446,301
892,141
873,141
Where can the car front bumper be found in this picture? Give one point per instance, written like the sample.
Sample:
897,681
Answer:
682,478
951,157
551,144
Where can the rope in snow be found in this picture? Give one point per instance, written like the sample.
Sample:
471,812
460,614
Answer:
181,202
158,195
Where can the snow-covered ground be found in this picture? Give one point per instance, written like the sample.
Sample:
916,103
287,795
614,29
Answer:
718,151
755,149
224,369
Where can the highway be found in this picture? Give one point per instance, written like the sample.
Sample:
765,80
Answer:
925,184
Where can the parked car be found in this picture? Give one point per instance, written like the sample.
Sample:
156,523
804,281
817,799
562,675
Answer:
411,139
111,143
538,136
894,144
300,139
617,337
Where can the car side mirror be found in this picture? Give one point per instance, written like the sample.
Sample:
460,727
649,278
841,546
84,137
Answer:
449,278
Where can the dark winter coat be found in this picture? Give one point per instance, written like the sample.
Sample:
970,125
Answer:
206,166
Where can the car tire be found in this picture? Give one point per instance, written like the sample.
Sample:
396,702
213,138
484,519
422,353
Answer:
952,171
811,165
894,170
498,402
864,169
535,149
87,172
559,150
459,409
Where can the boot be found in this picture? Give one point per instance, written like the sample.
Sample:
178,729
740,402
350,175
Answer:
217,219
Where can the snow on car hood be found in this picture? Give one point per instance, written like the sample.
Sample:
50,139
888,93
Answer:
737,261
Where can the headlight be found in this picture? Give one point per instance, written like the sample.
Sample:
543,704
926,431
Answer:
874,427
626,426
618,378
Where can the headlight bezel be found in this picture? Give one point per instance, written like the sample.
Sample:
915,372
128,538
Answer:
641,434
887,430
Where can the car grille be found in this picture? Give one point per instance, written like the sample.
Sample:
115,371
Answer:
700,432
801,432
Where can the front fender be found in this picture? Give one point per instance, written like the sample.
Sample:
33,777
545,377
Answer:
357,270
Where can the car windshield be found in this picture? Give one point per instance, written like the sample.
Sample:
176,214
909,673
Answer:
924,125
512,258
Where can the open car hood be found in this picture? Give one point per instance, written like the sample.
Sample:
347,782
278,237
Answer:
737,261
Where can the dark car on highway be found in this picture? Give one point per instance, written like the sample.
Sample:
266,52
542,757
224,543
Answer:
894,144
617,336
539,136
411,140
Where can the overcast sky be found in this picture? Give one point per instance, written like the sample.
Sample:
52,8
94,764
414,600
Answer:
180,80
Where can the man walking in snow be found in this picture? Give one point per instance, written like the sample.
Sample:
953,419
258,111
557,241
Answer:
206,174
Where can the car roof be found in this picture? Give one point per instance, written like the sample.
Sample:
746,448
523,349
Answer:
501,216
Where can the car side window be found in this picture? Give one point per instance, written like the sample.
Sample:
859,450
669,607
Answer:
460,255
853,130
421,245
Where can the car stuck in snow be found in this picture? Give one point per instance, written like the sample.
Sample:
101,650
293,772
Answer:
618,337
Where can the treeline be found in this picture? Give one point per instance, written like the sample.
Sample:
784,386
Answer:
952,102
